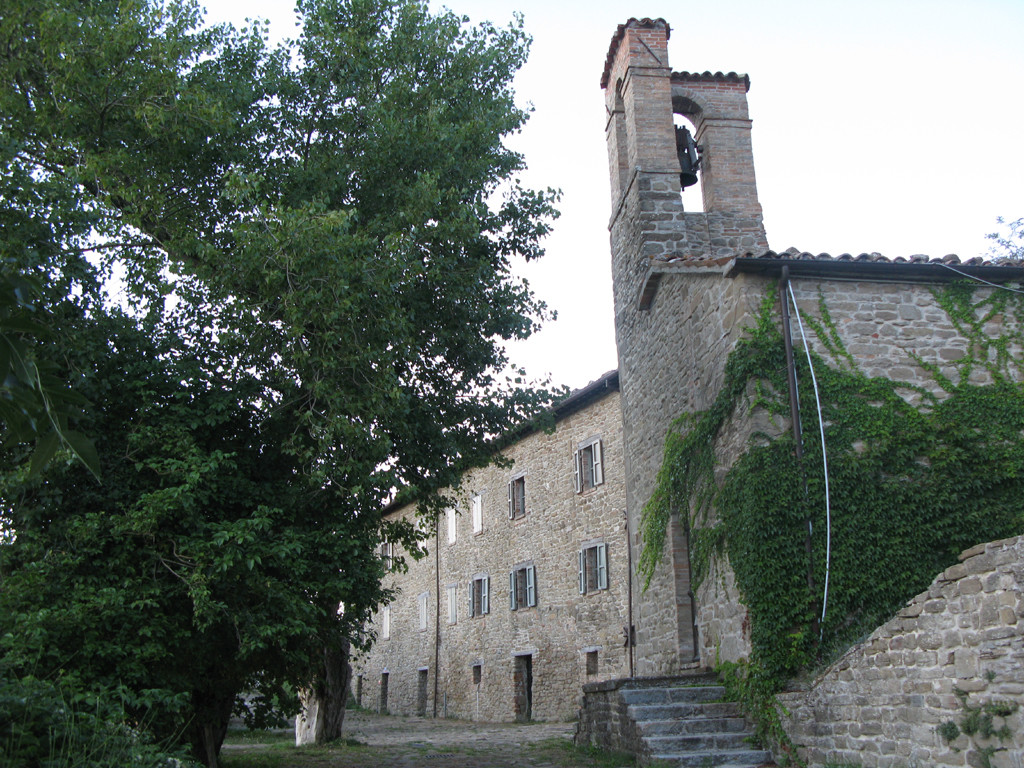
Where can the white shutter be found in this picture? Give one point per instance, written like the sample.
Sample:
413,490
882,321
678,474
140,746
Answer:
598,471
531,586
583,572
577,471
485,599
602,566
472,593
511,499
512,590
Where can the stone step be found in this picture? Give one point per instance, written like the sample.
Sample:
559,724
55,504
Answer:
695,742
670,695
683,711
746,758
679,726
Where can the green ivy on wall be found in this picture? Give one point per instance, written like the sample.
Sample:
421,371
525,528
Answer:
914,478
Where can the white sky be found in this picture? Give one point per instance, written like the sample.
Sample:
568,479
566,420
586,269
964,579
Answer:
890,126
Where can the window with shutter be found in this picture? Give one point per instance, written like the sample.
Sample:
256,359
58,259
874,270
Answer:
453,612
588,471
517,498
479,600
593,568
522,587
476,505
452,523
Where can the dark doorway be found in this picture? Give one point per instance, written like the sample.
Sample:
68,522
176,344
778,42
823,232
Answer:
522,683
421,693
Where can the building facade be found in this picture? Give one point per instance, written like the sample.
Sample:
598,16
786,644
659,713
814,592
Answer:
530,584
524,594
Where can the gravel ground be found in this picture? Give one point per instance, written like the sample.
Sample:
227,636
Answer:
375,741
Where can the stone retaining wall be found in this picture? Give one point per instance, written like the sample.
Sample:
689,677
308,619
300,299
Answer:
883,703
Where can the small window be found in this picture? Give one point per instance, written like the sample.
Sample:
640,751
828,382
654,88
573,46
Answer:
517,498
385,622
593,568
477,673
479,596
522,587
453,613
423,600
452,529
387,554
591,662
476,505
588,472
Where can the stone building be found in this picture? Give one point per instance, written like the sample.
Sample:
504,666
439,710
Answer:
524,594
687,285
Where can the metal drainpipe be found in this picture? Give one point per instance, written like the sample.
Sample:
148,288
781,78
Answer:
798,434
629,599
437,611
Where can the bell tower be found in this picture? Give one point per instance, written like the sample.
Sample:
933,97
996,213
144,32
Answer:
673,311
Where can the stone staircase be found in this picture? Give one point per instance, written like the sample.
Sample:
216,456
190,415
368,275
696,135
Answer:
685,724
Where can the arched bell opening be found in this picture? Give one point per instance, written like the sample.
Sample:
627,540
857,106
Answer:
689,155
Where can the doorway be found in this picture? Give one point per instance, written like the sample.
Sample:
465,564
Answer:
421,693
522,685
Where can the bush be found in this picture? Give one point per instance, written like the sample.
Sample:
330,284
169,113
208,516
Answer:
50,726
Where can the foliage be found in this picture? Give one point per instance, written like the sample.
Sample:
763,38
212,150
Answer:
1009,243
337,220
202,565
47,725
980,723
751,686
914,479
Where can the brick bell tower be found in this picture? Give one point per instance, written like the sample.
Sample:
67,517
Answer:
667,308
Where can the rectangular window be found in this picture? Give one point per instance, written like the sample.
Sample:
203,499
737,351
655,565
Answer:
387,554
477,673
517,498
452,520
591,662
423,599
453,612
479,595
522,587
385,622
588,472
593,568
476,505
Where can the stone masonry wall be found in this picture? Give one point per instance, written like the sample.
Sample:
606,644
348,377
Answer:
564,626
883,702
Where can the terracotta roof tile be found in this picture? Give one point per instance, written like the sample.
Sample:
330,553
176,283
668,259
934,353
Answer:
729,77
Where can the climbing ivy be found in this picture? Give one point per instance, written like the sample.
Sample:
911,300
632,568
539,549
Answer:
915,477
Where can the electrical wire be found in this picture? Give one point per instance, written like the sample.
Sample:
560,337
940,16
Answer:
980,280
824,461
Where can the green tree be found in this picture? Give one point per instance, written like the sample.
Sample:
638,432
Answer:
207,562
344,217
1009,242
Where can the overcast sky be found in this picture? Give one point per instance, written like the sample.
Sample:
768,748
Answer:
879,125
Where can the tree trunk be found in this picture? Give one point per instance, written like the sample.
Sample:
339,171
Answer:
210,726
323,704
334,690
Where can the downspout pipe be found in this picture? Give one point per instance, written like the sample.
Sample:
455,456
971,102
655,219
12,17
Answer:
798,433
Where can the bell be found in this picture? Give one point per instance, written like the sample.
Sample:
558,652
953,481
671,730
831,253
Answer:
689,161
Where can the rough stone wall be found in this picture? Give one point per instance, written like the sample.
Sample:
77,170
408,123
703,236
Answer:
882,703
561,629
885,325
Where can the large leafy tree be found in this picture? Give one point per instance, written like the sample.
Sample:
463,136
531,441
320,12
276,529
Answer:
346,216
207,562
